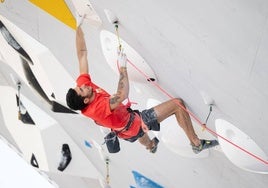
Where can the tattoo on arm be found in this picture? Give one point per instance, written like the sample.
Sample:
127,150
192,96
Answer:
121,83
114,99
122,86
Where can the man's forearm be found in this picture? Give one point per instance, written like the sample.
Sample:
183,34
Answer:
123,84
81,51
80,41
122,89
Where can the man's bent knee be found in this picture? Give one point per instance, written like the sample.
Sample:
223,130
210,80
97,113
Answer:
178,101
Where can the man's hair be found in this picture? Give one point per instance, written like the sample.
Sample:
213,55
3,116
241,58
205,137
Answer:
75,101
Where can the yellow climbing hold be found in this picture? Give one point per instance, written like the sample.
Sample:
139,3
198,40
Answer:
2,1
58,9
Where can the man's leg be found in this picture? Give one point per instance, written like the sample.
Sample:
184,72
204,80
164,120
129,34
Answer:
151,145
146,141
171,107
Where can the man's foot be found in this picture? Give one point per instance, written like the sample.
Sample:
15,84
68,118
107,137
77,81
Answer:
155,143
204,144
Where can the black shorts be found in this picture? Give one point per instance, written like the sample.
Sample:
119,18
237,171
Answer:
150,119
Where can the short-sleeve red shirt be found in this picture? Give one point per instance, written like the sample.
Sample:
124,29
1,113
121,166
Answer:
99,110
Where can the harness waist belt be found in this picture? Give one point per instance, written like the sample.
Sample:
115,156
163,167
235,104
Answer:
129,123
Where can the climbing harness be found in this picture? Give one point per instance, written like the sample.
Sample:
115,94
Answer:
111,139
191,114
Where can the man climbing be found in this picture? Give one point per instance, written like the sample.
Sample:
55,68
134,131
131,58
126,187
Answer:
109,111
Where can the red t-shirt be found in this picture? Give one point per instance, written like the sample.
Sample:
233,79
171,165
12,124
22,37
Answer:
99,110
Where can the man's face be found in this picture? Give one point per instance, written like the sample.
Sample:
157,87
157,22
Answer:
84,91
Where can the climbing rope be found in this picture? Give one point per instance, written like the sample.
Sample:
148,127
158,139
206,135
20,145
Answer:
197,120
189,112
204,124
129,102
107,171
19,112
210,110
118,38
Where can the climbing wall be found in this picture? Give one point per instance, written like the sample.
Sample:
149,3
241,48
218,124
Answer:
171,53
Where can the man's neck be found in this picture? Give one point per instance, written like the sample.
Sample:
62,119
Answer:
92,97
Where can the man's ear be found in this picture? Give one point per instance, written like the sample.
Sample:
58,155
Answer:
86,100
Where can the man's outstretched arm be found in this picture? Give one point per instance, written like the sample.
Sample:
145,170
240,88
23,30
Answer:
123,84
81,50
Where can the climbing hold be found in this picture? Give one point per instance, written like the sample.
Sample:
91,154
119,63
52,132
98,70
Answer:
34,161
240,149
111,16
143,181
151,79
14,43
87,143
65,158
109,43
207,99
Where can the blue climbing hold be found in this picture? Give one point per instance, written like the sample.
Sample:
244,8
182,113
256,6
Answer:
144,182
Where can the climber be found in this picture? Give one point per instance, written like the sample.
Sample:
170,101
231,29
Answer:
109,111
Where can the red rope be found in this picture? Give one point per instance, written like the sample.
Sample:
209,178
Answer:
195,118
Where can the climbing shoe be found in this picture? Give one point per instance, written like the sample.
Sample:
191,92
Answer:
204,144
155,143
